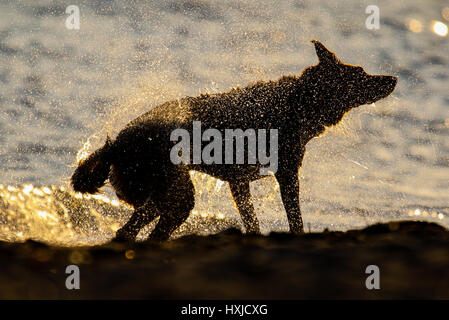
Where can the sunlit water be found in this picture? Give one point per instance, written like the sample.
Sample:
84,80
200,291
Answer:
62,91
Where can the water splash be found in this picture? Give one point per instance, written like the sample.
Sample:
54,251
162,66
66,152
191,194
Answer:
81,88
58,216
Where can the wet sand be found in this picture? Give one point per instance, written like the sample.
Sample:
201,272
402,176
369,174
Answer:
413,258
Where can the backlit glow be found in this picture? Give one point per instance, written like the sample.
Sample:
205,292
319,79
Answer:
415,25
445,13
439,28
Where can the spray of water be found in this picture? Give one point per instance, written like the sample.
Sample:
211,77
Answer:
69,90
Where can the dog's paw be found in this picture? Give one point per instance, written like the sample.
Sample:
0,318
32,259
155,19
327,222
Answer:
253,233
122,240
158,237
123,237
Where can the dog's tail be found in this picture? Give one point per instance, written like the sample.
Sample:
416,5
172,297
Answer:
93,171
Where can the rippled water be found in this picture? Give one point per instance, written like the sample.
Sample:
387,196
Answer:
62,91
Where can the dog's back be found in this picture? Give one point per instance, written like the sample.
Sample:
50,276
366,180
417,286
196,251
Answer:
263,104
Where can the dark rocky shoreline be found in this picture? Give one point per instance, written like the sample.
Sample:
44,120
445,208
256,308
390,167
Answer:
413,258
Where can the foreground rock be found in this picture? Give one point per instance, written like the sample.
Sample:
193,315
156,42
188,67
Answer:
413,258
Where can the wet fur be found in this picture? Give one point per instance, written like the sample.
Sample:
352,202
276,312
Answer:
300,107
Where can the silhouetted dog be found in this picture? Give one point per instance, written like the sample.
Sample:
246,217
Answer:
300,107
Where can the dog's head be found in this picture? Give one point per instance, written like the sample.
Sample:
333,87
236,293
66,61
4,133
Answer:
335,87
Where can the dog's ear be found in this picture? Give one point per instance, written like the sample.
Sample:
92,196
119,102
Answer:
324,55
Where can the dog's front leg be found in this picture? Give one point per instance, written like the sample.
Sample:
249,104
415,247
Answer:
289,186
242,197
142,216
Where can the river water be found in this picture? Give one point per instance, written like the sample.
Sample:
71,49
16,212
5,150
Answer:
62,91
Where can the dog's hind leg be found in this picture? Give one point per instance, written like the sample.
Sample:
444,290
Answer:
289,186
242,197
175,206
142,216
